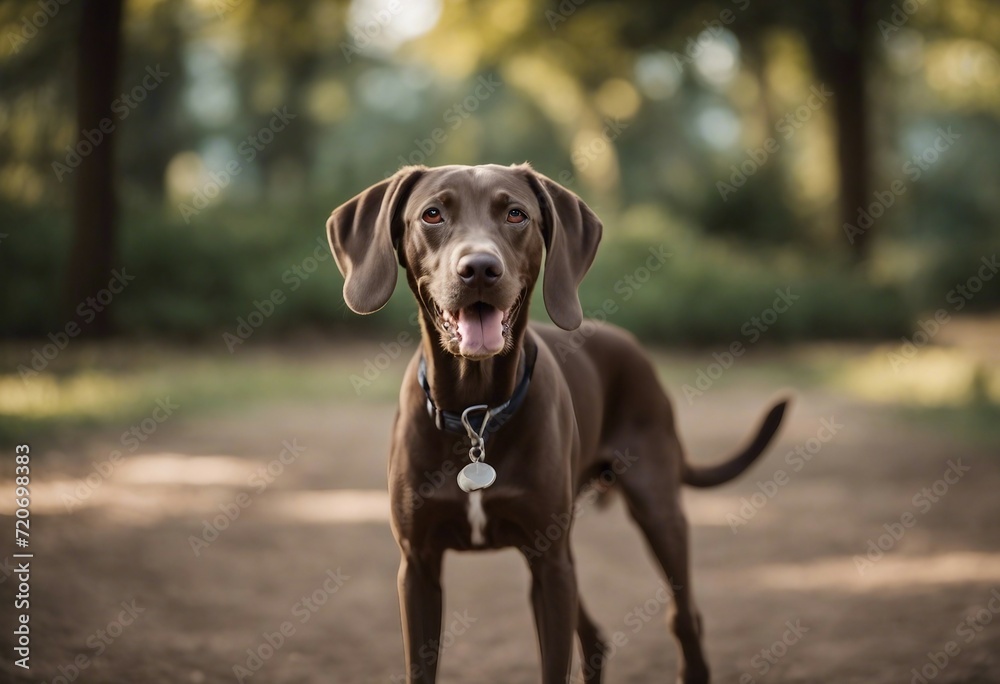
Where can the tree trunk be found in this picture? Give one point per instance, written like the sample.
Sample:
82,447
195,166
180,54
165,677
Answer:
847,69
95,212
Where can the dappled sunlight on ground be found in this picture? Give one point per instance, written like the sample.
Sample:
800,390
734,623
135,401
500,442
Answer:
85,393
173,468
147,488
332,506
931,377
893,572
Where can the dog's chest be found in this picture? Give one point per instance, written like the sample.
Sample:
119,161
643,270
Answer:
477,519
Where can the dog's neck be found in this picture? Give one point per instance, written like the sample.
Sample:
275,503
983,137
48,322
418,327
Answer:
457,383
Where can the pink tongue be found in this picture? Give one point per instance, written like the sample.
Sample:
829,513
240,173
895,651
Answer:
481,328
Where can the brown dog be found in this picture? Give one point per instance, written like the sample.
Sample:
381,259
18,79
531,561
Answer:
550,410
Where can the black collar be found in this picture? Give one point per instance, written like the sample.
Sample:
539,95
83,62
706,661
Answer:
452,422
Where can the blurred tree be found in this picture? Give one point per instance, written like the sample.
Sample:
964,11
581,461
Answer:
838,34
95,212
840,49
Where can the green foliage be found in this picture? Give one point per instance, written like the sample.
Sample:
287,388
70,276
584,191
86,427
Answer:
34,252
707,294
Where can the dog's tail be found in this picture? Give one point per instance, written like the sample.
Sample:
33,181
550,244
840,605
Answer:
710,476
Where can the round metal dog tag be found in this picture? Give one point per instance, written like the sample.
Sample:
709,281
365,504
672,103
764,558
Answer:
475,476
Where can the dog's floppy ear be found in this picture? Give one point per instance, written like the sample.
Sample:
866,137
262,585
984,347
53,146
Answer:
363,233
572,232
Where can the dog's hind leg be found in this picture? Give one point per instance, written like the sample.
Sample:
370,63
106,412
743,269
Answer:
652,491
592,644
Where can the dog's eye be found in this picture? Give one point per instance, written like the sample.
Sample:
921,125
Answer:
432,216
516,216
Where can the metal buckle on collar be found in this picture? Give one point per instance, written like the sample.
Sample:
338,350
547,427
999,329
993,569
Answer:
478,449
478,474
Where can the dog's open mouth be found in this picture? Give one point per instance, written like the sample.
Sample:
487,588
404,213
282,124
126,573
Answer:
479,329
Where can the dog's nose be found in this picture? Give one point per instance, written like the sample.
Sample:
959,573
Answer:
479,269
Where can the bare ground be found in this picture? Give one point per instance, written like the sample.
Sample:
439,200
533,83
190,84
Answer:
792,563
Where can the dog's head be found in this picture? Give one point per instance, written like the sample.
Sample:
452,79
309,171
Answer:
471,239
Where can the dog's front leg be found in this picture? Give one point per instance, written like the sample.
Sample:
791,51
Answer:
420,601
554,601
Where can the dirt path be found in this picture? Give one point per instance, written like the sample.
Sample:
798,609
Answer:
313,552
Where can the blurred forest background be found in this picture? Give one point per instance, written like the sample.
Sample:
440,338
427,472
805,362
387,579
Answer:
847,149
